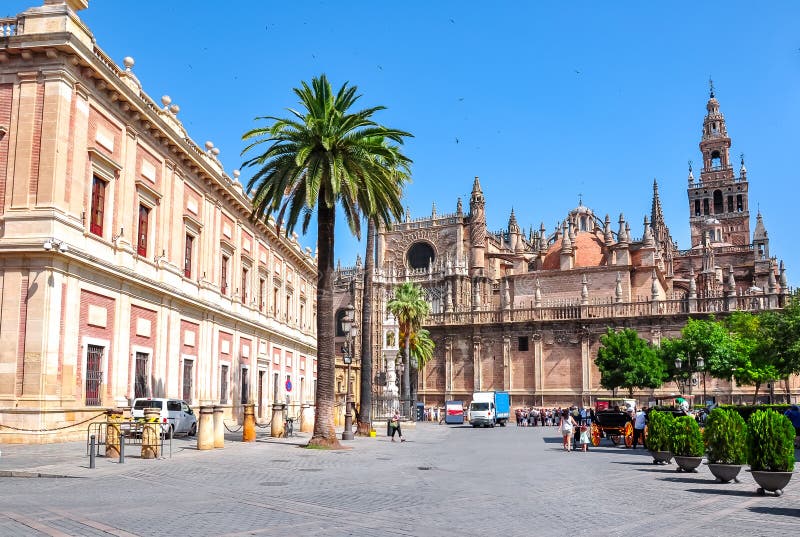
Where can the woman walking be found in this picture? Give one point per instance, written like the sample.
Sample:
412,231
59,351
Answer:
395,424
568,426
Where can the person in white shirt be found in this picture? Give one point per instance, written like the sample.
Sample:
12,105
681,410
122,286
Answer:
639,422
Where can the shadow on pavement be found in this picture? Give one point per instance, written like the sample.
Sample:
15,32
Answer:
648,463
695,480
742,493
782,511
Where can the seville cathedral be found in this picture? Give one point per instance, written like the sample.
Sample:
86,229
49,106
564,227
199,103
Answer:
524,312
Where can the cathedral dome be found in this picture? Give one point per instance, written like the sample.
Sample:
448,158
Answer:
587,248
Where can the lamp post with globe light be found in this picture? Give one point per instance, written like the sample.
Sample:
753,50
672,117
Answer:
692,366
347,357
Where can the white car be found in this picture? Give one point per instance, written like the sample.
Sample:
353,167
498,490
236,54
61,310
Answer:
176,416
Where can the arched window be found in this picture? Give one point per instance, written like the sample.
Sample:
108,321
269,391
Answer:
339,318
420,255
697,207
705,206
718,204
716,159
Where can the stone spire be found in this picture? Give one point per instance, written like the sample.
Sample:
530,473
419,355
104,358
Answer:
654,285
731,279
566,259
618,289
621,235
608,237
459,207
584,290
647,237
760,239
771,283
692,283
691,175
742,169
542,239
537,295
477,229
433,210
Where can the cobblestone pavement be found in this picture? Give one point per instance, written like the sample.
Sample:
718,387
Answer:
444,481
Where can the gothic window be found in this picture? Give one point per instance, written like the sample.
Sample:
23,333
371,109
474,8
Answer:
697,207
705,206
718,205
339,327
420,255
739,204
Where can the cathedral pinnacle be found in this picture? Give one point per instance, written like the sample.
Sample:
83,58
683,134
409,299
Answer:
710,88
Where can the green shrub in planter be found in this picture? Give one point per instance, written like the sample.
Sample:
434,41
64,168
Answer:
687,440
770,442
725,434
659,430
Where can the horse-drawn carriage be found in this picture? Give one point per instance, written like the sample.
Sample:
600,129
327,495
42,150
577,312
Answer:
616,425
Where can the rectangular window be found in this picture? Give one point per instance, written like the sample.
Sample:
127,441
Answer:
188,367
187,256
262,283
739,204
705,206
141,385
288,306
697,207
223,384
522,343
98,206
245,386
144,222
94,374
245,273
275,309
730,204
223,284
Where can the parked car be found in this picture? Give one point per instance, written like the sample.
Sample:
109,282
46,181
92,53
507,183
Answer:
176,416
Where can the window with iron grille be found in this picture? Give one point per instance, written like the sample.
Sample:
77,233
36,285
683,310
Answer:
245,386
141,386
223,384
245,274
261,285
98,206
94,374
224,275
144,223
187,256
188,366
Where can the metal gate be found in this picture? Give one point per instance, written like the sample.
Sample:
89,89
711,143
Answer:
187,380
94,376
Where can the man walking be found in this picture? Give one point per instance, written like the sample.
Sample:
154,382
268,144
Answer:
639,422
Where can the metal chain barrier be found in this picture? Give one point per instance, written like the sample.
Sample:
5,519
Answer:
52,430
232,430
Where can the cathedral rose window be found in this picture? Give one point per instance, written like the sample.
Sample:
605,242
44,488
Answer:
420,255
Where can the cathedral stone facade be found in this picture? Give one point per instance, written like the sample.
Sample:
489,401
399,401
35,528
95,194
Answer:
524,312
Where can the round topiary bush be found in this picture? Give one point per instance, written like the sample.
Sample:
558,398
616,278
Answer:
659,430
770,442
686,439
725,437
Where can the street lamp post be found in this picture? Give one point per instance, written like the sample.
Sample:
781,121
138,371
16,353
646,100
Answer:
400,367
347,357
691,369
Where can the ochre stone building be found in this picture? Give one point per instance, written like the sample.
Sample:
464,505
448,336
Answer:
524,312
128,263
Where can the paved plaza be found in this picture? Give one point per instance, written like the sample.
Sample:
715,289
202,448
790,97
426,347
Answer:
444,481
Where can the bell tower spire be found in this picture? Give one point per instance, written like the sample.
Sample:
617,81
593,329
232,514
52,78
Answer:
719,195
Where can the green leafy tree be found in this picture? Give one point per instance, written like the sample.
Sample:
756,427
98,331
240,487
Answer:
755,359
325,156
628,361
410,309
784,329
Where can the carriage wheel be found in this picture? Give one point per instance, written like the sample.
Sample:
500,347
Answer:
628,434
596,435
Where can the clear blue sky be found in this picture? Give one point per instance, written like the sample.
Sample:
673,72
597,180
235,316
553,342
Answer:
543,101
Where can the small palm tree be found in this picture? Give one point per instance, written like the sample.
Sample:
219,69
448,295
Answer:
410,309
326,155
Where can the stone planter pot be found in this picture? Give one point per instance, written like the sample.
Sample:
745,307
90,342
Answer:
661,457
725,473
771,481
687,464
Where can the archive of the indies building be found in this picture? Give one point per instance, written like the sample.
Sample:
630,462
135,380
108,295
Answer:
129,266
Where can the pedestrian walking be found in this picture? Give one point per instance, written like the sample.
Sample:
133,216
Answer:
395,425
638,428
585,438
567,427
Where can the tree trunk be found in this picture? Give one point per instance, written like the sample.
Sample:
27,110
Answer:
407,373
324,432
755,393
630,392
365,414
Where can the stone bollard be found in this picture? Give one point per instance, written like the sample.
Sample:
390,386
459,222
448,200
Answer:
151,433
306,418
276,431
219,427
113,420
205,429
249,423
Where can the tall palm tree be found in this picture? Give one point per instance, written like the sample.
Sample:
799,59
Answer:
410,309
365,413
326,155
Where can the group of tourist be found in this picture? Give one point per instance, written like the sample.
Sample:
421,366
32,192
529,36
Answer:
551,417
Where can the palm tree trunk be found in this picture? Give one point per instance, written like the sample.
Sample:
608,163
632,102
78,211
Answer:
407,373
365,414
324,432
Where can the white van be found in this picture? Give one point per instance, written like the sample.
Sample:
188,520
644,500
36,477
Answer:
176,415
